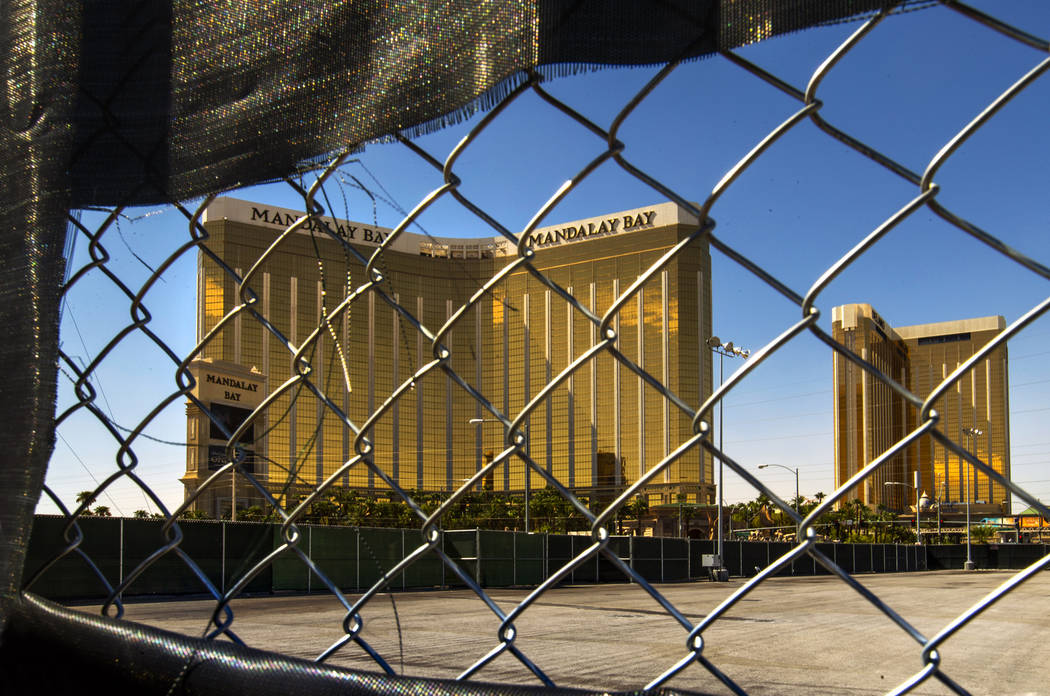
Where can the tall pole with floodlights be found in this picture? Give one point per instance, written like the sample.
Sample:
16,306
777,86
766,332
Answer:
970,434
723,350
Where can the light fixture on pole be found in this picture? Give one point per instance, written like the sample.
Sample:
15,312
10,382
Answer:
723,350
970,434
479,421
918,503
798,503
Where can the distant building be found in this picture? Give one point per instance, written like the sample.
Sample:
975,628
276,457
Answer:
598,432
870,416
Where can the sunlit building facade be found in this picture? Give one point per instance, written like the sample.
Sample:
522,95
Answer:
598,432
870,416
975,412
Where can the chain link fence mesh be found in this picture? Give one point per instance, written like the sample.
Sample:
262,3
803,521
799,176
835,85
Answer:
100,229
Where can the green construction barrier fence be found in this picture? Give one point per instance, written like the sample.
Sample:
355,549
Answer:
352,559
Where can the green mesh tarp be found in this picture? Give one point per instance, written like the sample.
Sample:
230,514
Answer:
71,577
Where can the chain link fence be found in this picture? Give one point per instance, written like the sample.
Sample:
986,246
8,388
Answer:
81,398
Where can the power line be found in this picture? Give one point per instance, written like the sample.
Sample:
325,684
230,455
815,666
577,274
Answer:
781,437
1028,384
1029,410
93,375
825,412
780,398
77,457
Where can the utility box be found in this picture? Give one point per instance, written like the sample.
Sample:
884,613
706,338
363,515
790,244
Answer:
713,563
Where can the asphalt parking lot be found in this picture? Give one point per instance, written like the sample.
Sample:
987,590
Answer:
790,635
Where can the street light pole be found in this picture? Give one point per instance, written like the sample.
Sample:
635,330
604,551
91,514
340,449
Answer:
918,504
479,421
940,498
970,434
723,349
798,503
918,507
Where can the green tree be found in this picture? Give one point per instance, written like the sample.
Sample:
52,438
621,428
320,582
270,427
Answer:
352,506
859,517
323,511
635,508
255,513
982,534
550,512
85,498
739,516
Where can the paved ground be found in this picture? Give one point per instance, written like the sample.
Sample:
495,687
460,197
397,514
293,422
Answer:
789,636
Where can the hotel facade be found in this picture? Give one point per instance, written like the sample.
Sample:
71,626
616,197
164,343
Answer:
870,417
597,433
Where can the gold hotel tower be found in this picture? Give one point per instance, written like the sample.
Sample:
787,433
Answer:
870,417
597,433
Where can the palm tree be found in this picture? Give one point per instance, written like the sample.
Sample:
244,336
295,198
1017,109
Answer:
738,515
857,512
85,498
982,534
751,511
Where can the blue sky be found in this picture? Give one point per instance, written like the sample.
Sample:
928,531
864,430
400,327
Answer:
905,90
